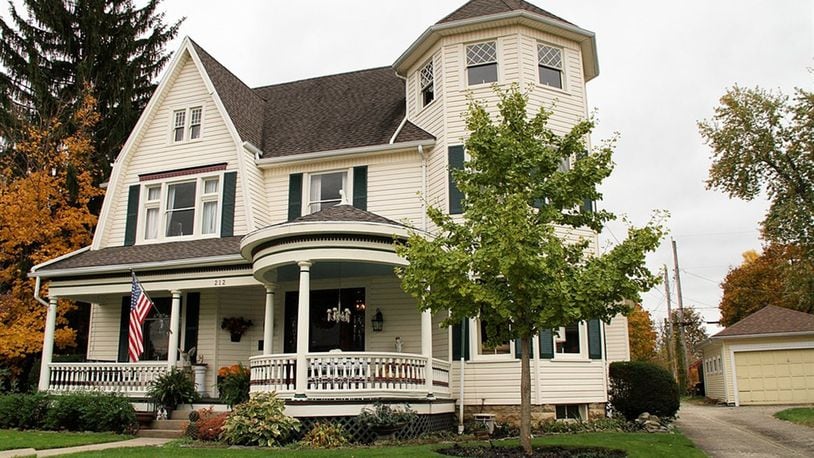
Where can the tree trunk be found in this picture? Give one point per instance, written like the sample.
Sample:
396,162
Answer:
525,395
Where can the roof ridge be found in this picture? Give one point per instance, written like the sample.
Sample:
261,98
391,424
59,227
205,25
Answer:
199,48
320,77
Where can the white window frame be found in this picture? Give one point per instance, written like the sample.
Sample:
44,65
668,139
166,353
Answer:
161,204
582,408
187,110
563,79
347,188
474,324
422,86
464,61
583,344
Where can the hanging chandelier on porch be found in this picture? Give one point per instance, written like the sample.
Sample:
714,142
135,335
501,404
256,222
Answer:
338,314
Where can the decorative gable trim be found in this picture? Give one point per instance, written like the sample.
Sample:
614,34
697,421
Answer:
182,172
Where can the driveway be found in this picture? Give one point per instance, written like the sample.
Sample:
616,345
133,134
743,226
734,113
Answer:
749,431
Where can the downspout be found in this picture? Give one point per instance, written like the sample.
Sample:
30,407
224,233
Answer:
464,322
37,292
423,187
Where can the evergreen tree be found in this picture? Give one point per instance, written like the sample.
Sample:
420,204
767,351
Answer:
51,53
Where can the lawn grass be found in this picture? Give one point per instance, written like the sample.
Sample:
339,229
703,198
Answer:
635,444
12,439
800,415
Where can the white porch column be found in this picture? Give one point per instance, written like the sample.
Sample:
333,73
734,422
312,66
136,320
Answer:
426,348
303,318
175,319
268,322
48,344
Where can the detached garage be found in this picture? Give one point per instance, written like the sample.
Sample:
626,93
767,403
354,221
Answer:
766,358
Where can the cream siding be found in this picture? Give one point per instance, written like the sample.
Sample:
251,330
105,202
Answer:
713,379
255,182
393,185
154,151
617,342
103,334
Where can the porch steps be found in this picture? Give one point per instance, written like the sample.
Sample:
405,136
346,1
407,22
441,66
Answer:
164,429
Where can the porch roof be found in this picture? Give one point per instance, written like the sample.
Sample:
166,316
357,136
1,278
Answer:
132,256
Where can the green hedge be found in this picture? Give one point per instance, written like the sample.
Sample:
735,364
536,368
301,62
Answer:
637,387
73,412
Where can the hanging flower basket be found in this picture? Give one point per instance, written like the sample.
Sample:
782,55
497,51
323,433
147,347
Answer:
236,326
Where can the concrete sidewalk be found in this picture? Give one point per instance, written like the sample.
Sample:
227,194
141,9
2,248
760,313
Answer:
138,442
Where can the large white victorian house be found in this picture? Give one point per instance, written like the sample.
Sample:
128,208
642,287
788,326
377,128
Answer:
279,203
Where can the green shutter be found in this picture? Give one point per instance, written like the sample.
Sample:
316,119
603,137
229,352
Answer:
132,215
456,162
457,344
594,339
517,348
294,196
193,306
227,216
124,327
546,344
360,187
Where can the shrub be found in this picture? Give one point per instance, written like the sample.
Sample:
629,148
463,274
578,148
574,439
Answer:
260,421
601,425
206,424
325,435
91,411
23,411
233,384
173,388
637,387
385,416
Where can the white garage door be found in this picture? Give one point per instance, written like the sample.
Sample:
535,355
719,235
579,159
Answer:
775,377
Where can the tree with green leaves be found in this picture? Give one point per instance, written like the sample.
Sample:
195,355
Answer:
505,260
53,52
763,142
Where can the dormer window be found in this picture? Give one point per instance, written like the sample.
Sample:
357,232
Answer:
427,84
481,63
549,61
187,124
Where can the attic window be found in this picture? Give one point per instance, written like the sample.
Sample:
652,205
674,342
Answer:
481,63
427,84
187,124
550,65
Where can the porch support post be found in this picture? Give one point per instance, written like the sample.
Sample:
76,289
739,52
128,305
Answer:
48,344
268,322
175,318
426,348
303,318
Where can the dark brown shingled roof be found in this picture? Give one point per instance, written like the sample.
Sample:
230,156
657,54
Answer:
348,110
771,320
478,8
245,108
344,213
157,252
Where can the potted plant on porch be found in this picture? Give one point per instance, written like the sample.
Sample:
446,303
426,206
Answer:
172,388
386,420
236,325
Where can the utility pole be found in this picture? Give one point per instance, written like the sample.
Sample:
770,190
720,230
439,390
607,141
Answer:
680,314
670,357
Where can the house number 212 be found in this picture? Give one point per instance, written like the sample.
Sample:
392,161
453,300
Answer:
221,282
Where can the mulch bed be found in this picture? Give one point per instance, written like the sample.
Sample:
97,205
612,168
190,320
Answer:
538,452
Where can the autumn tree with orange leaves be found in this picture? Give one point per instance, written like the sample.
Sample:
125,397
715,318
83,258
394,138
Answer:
642,334
44,196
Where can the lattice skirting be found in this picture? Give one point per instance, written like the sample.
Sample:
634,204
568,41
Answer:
359,433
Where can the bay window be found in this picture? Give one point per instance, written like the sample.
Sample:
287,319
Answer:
549,65
481,63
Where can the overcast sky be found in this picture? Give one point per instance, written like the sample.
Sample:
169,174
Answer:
663,66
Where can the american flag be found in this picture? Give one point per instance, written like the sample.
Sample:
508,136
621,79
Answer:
140,305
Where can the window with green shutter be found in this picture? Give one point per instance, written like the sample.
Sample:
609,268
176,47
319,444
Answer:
460,341
456,162
294,196
546,344
594,339
360,187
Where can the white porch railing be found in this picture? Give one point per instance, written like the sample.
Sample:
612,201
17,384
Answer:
129,379
351,375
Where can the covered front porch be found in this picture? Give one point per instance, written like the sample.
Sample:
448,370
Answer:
329,320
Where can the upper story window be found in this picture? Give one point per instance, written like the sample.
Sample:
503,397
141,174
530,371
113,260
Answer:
481,63
427,77
181,208
549,62
187,124
326,190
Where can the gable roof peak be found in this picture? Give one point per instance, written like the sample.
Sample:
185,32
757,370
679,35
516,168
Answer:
479,8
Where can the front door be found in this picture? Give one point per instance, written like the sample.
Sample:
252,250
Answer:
325,333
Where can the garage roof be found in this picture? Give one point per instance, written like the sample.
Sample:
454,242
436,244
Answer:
771,320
